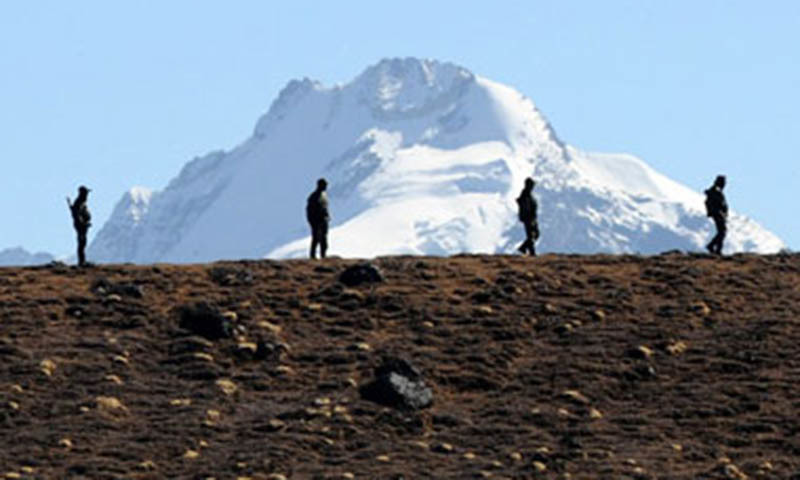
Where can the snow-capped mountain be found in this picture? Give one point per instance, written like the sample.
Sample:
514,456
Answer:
19,257
421,157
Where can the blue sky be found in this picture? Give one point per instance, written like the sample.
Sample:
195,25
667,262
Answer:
123,93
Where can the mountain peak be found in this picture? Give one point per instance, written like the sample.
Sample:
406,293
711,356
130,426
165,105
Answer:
408,85
422,157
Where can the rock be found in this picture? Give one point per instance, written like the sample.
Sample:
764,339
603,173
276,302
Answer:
575,396
227,386
641,352
191,454
701,308
47,367
360,274
677,348
205,320
109,404
399,385
443,448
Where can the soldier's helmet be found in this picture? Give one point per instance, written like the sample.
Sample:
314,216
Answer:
529,183
322,184
719,181
83,190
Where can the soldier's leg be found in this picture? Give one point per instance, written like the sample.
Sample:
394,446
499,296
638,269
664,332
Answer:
722,230
523,247
81,247
314,241
323,240
529,238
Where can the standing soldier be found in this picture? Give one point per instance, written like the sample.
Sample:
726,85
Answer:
82,220
717,209
528,217
318,217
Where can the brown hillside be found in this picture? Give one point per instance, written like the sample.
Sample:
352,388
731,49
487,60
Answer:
674,366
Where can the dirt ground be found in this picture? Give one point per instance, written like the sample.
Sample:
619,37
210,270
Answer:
620,367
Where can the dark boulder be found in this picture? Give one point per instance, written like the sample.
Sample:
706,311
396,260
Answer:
204,320
398,384
360,274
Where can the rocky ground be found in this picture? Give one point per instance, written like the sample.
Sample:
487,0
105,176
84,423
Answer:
673,366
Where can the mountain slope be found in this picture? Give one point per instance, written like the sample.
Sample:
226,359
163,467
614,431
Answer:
422,157
594,366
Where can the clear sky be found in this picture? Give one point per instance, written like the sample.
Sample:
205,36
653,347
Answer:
121,93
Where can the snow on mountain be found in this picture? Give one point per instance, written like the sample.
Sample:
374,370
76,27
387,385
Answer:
421,157
19,257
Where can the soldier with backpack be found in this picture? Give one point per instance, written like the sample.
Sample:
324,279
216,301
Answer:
528,216
717,209
318,218
81,220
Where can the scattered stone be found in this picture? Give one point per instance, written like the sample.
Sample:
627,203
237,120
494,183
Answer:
598,315
515,456
109,404
180,402
362,347
227,386
147,466
206,357
191,454
677,348
247,349
361,274
383,458
314,307
469,456
539,466
701,308
275,329
276,476
47,367
595,414
114,379
65,443
17,388
13,405
399,385
122,360
641,352
733,472
443,448
575,396
204,320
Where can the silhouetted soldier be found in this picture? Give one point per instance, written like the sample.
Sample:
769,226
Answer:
528,217
318,217
82,220
717,209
